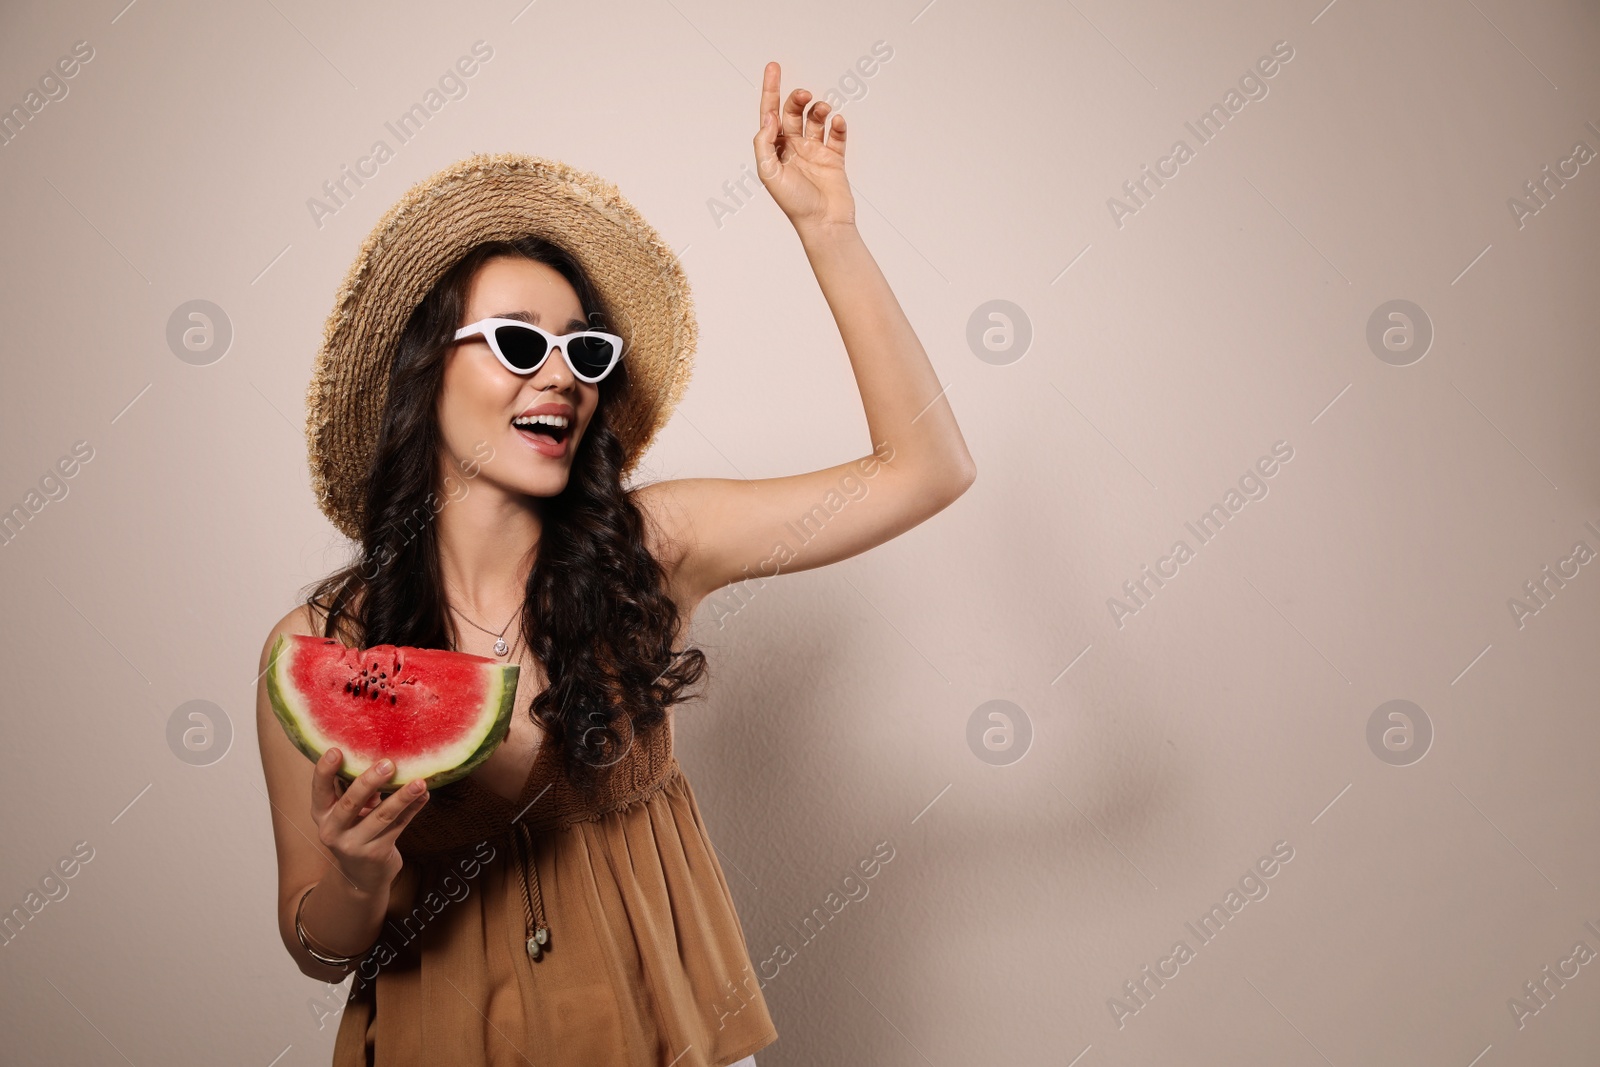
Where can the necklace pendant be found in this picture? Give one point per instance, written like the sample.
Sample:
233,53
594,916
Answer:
500,646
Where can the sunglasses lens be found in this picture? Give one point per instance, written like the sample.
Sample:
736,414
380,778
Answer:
523,347
591,355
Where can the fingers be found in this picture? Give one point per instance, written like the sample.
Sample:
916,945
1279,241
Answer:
818,121
793,113
769,91
836,134
791,124
343,814
323,791
391,816
766,143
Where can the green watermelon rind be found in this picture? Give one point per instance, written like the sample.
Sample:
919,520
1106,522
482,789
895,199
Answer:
504,676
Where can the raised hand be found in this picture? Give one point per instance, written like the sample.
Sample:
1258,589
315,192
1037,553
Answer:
803,172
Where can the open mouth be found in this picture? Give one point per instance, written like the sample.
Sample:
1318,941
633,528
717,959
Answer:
549,432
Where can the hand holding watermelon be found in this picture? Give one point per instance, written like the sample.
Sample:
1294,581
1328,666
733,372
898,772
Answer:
390,719
358,825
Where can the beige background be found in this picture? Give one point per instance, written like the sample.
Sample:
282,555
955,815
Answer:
1167,754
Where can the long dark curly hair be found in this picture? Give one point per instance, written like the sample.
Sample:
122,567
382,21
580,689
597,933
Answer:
596,612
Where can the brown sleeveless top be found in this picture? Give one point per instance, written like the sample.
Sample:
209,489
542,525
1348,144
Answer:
564,928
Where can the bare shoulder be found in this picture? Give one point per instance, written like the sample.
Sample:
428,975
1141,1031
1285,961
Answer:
297,621
310,620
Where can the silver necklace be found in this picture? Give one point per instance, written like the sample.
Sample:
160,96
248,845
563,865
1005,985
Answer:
500,646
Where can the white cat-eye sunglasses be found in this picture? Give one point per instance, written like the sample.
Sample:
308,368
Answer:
522,347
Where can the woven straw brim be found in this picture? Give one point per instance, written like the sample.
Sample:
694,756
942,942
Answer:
491,196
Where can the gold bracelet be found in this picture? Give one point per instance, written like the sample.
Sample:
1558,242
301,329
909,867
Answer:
300,932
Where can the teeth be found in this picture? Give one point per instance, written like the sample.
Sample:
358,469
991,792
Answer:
558,421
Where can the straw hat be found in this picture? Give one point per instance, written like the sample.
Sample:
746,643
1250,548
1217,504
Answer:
484,197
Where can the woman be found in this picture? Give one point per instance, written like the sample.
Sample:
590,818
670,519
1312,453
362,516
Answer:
480,464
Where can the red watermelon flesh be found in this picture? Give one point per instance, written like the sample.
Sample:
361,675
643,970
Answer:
435,713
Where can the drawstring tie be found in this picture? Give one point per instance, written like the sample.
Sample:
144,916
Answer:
538,931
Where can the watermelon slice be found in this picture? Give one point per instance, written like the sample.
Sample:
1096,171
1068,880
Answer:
436,714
